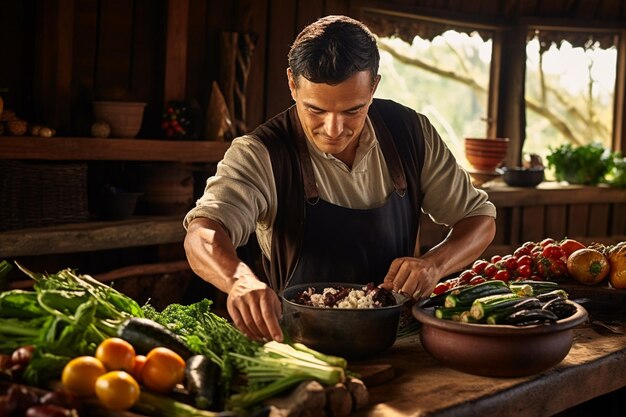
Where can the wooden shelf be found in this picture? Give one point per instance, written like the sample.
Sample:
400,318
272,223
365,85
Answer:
92,236
109,149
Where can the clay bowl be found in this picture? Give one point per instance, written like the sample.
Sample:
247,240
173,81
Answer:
351,333
497,350
485,154
522,177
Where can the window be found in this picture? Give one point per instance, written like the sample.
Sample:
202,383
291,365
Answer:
439,69
570,85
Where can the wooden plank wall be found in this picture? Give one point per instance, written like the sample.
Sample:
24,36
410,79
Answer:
588,214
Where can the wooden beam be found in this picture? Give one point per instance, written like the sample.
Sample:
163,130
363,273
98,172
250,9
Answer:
176,50
92,236
94,149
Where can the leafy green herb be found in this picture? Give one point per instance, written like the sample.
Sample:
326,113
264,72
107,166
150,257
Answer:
587,164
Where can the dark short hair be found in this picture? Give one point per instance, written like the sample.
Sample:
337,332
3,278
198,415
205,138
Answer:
332,49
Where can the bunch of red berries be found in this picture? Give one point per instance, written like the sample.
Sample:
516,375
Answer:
176,120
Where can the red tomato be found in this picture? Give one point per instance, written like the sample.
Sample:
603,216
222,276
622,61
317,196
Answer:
503,275
552,251
501,264
536,278
530,245
477,280
467,275
524,271
490,271
519,252
495,258
479,266
511,263
440,288
569,246
524,260
546,242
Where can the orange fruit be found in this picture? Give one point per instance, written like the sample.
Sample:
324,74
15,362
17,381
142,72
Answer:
80,374
117,390
587,266
163,369
116,354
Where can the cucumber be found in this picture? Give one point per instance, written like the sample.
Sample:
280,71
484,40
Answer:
524,290
560,307
201,381
539,287
453,313
484,306
498,316
466,296
145,335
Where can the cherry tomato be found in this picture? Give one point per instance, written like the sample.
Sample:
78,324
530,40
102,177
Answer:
519,252
495,258
490,271
80,374
116,354
163,369
552,251
467,275
117,390
524,271
503,275
440,288
479,266
511,263
536,278
524,260
477,280
547,241
501,264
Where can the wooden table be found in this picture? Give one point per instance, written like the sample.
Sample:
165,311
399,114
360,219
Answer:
595,365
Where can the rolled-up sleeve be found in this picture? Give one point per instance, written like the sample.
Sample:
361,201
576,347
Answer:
240,194
448,193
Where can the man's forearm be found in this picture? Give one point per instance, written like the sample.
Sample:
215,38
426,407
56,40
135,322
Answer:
465,242
212,255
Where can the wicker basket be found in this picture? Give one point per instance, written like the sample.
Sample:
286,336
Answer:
34,194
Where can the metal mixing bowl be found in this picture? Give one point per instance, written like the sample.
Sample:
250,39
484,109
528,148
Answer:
347,332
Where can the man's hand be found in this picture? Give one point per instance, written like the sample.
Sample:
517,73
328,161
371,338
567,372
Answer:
255,309
415,277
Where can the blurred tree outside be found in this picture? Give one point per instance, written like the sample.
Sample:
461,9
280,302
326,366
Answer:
569,91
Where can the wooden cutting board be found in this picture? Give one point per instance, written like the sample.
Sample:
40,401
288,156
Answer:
374,374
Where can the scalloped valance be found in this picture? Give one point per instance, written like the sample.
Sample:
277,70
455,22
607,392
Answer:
407,28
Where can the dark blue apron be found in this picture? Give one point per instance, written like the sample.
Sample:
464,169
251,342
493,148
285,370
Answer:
316,241
352,245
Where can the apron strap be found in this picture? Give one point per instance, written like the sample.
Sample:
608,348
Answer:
389,150
306,166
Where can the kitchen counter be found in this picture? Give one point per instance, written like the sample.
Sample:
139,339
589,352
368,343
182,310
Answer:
595,365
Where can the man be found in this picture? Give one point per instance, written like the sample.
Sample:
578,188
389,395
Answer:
333,188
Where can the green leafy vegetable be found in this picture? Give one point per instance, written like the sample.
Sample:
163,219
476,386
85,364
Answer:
586,164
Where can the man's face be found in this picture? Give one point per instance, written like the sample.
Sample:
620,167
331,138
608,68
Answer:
333,116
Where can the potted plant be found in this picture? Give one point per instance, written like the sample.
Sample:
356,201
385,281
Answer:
586,164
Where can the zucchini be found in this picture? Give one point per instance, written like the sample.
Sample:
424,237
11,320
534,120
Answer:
452,313
201,381
466,296
547,296
439,299
145,335
484,306
560,307
539,287
523,290
497,317
530,316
